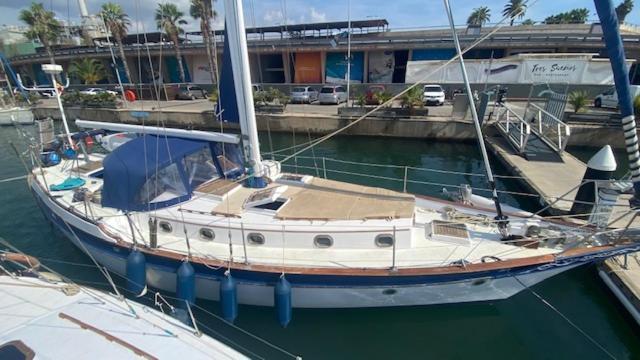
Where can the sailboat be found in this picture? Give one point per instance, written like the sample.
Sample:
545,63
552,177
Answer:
46,316
11,112
207,205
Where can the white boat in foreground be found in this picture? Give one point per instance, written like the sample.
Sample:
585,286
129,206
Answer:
44,317
16,115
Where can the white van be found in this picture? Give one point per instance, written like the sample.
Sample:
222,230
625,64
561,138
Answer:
609,98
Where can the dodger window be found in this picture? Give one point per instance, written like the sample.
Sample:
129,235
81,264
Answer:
200,168
165,185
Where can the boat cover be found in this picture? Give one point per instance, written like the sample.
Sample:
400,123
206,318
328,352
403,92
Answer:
129,166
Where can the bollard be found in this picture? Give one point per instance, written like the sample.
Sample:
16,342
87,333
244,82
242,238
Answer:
600,167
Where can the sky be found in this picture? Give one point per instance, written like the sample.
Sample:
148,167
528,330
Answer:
399,13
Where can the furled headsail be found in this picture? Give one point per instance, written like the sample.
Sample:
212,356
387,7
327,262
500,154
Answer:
613,41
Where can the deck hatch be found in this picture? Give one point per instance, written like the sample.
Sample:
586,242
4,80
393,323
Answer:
449,232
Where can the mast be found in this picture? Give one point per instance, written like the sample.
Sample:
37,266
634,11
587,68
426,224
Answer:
239,55
348,50
501,218
613,41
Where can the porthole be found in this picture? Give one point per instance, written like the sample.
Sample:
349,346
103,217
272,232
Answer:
207,234
389,291
323,241
255,239
384,240
165,226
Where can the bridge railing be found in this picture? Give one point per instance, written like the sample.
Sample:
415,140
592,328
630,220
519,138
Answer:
549,128
515,129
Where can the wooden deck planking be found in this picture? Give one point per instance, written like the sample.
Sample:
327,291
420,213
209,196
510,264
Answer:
627,280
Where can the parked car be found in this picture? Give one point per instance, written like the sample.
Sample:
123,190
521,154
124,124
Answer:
609,98
45,92
433,94
190,92
332,94
370,95
304,94
96,91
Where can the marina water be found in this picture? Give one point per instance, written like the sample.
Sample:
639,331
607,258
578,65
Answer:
521,327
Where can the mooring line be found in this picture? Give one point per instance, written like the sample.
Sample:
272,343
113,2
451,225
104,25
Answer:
13,179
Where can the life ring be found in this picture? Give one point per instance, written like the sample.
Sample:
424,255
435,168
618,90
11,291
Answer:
130,95
30,262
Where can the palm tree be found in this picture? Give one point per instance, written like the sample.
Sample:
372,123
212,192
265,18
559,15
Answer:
513,9
117,22
479,16
169,19
90,71
43,26
202,10
623,9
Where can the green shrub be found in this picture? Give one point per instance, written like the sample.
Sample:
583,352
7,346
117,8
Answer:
578,99
383,97
361,99
413,98
636,105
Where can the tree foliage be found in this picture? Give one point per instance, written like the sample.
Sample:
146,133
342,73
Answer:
479,16
623,9
575,16
90,71
117,21
43,26
168,19
514,9
202,10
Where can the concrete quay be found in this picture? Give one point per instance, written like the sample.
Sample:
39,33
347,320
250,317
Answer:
622,275
299,118
320,120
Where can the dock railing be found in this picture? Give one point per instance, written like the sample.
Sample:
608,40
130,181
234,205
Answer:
515,129
549,128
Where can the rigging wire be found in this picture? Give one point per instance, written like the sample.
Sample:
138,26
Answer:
499,26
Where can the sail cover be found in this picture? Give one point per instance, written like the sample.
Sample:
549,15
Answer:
227,106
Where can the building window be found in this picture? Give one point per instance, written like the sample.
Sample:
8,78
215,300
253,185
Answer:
323,241
207,234
255,239
165,227
384,240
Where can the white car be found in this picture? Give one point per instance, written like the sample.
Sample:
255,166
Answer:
332,94
609,98
433,94
96,91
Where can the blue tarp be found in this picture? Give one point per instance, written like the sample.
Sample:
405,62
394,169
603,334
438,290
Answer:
129,166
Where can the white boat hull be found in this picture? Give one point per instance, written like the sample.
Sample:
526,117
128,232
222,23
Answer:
260,293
